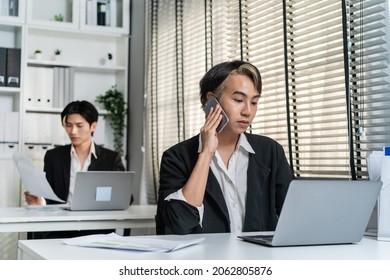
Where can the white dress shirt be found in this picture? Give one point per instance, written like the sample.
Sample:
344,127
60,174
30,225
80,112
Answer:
233,182
75,166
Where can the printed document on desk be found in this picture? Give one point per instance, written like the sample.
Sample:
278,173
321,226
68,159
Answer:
34,180
115,241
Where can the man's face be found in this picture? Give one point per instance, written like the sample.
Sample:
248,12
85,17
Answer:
239,101
78,129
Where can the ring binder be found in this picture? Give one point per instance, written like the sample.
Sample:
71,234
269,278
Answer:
13,67
3,66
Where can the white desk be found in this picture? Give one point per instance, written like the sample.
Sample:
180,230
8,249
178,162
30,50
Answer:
222,246
33,219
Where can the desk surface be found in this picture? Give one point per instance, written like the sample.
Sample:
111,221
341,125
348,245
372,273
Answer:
221,246
22,219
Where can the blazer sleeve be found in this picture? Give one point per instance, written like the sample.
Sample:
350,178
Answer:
176,216
57,169
118,164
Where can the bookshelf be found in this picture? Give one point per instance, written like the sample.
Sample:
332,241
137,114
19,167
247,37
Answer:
94,57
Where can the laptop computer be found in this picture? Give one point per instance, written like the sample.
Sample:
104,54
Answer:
94,190
102,190
319,212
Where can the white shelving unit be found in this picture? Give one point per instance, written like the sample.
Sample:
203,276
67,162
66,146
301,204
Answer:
93,58
12,33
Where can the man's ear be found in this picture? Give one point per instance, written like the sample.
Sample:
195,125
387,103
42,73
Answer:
93,126
209,94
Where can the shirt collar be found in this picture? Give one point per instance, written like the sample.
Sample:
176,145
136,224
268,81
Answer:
242,142
92,150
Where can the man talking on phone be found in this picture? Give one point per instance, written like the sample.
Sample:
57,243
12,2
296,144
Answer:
224,179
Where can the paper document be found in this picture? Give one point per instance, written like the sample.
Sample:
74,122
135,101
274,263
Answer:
34,180
115,241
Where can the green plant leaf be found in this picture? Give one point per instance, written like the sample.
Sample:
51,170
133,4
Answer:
113,101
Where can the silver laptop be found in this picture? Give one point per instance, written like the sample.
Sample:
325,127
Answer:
319,212
102,190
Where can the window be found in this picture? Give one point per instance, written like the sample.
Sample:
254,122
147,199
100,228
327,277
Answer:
369,79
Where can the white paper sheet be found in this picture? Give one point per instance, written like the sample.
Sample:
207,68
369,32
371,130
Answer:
34,180
133,243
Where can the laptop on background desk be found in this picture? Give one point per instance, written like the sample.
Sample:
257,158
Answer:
94,190
319,212
102,190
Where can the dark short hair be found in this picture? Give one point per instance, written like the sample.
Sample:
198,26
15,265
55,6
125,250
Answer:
214,80
84,108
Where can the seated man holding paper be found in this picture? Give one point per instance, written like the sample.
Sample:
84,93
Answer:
79,118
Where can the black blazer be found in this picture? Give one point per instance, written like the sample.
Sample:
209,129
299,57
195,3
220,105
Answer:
57,167
269,176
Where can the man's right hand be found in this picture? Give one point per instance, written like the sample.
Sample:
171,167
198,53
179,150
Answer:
33,199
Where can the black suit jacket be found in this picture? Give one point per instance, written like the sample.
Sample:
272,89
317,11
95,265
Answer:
269,176
57,167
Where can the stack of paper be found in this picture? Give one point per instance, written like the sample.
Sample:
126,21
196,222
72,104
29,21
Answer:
115,241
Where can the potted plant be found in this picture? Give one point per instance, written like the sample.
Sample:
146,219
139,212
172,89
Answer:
59,17
38,54
113,101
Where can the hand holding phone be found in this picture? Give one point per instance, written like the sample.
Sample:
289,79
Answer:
212,103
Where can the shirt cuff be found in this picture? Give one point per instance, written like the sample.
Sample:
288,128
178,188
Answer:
42,200
179,196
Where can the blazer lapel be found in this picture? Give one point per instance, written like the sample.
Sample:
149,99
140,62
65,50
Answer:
256,175
66,168
93,163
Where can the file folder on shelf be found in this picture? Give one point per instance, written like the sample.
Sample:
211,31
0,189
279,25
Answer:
13,8
13,67
3,66
39,87
11,131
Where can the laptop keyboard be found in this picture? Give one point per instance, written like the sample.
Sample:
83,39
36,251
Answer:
264,237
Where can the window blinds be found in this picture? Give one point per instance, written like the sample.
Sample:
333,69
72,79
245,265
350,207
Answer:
369,83
263,45
301,42
317,94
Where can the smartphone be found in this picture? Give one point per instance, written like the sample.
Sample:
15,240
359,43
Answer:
212,103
